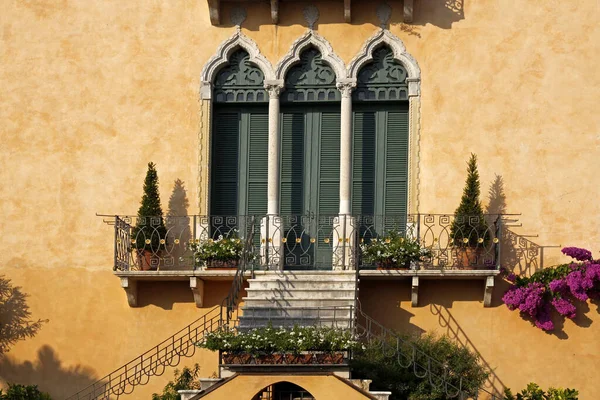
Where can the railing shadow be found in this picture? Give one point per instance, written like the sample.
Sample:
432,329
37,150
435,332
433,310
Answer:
48,373
453,330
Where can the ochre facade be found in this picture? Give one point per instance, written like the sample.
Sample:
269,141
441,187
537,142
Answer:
93,91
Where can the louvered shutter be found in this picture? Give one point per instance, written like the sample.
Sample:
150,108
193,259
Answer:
292,164
363,163
258,148
329,164
224,165
396,163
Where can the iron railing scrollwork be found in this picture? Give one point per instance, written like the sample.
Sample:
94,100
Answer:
153,362
408,355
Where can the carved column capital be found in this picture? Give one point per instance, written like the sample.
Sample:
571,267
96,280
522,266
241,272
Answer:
274,88
346,88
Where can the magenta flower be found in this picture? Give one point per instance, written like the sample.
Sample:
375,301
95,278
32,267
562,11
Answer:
578,253
565,307
579,284
533,299
511,277
559,286
514,297
543,318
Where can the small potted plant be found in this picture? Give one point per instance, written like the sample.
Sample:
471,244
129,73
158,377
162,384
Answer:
225,252
469,233
393,251
149,235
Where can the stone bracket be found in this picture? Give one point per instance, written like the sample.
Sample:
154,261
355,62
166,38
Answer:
197,286
130,287
487,294
414,291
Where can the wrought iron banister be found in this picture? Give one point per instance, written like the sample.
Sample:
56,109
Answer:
153,362
409,355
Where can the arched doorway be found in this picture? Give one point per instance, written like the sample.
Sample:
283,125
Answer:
283,391
380,144
310,160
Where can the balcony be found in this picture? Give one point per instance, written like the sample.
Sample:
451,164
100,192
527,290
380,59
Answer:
155,248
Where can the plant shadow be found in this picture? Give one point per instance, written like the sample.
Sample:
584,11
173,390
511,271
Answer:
48,373
178,227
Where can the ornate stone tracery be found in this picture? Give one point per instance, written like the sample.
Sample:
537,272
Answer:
240,81
382,79
311,79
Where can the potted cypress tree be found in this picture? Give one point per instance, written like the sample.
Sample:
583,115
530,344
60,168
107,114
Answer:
149,234
469,232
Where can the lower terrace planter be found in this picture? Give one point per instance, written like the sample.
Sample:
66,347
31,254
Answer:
220,264
305,358
389,264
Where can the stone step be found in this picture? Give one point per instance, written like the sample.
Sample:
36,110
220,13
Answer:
251,323
293,293
302,284
287,302
298,312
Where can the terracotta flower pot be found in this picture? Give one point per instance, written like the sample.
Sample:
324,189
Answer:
243,358
219,264
147,260
468,257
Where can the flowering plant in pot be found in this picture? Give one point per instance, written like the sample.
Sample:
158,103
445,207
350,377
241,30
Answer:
393,251
268,345
223,252
555,289
469,233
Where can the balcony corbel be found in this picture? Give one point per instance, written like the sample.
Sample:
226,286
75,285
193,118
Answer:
130,287
197,286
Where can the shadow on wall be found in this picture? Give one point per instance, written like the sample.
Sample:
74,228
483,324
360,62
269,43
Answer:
166,294
178,224
440,13
48,373
451,328
332,12
382,301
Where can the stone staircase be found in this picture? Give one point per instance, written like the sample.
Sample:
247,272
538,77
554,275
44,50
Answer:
303,298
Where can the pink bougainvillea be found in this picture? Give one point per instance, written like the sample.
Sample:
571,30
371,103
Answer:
555,289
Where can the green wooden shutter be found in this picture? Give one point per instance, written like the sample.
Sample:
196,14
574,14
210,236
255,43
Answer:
224,163
396,163
258,148
292,163
363,163
329,164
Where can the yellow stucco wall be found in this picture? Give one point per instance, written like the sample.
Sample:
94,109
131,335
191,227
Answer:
90,92
244,387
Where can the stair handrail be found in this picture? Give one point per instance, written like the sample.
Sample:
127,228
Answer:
229,303
152,362
421,362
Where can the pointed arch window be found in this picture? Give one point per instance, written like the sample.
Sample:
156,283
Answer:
239,144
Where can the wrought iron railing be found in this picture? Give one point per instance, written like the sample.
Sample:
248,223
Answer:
307,241
409,355
153,362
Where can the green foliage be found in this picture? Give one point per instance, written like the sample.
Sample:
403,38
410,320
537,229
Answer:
534,392
469,224
150,224
271,340
545,276
187,379
226,248
379,362
15,322
393,250
22,392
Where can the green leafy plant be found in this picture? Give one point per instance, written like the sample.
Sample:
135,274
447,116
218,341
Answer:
186,379
271,340
393,250
223,249
150,232
379,361
534,392
22,392
469,228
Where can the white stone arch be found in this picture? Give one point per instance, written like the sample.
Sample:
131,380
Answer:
384,36
310,38
237,41
365,55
